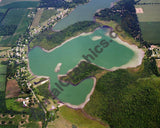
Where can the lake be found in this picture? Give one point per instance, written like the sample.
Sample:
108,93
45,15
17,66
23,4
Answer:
83,13
69,55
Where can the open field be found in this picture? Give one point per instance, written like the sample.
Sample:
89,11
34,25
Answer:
151,13
47,14
69,118
12,89
37,18
150,22
2,82
5,2
3,69
14,16
149,1
150,32
22,25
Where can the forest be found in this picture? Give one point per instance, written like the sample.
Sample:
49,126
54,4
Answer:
123,13
50,39
128,99
61,3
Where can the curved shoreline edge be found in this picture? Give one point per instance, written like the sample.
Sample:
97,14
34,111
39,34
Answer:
81,106
134,62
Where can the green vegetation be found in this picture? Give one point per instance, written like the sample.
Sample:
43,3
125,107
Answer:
22,25
10,17
5,3
128,98
47,14
14,105
49,39
43,90
151,13
10,23
77,118
61,3
150,32
83,71
128,18
150,22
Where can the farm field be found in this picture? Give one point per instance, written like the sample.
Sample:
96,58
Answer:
12,89
151,13
149,22
3,69
14,16
5,2
149,1
150,32
22,22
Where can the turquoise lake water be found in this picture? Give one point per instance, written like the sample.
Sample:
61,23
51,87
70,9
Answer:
83,13
70,54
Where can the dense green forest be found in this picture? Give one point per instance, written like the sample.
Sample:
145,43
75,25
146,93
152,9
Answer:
83,71
123,12
6,30
127,99
50,39
61,3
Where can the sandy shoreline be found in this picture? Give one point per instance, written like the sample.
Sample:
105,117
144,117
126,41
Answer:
82,34
86,100
134,62
137,58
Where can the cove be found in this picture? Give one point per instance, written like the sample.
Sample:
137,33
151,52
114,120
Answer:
70,54
83,13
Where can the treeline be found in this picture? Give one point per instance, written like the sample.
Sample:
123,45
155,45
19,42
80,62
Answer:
124,13
127,99
147,3
49,39
83,71
61,3
6,30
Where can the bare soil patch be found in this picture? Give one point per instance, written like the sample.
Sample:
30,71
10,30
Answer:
139,10
12,89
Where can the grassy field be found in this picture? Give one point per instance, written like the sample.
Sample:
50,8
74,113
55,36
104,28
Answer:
22,25
149,1
150,32
151,13
47,14
150,23
3,70
37,18
12,104
5,2
69,117
14,16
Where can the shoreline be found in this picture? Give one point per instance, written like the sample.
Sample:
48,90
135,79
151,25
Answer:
137,58
81,106
134,62
82,34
